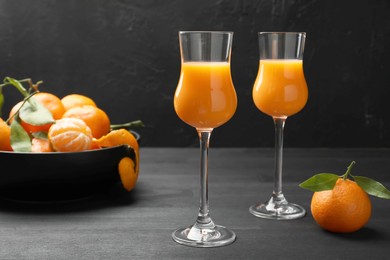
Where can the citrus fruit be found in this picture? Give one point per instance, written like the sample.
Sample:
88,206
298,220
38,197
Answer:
70,135
51,102
40,145
345,209
5,133
94,117
75,100
128,170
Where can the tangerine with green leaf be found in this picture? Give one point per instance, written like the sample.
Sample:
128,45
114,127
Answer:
344,209
49,101
341,204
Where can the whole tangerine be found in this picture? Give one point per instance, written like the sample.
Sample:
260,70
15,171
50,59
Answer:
50,101
344,209
5,134
75,100
94,117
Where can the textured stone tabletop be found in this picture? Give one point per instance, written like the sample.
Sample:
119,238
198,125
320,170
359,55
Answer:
114,224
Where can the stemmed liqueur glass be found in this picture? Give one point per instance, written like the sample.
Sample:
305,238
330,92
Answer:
280,91
205,98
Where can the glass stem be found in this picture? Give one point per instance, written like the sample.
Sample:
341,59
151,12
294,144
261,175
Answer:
279,129
204,219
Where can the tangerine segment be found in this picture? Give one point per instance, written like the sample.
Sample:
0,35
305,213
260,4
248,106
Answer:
94,117
127,173
70,135
5,134
75,100
345,209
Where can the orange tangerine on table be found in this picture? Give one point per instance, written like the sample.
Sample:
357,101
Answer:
5,134
51,102
75,100
70,135
128,169
345,209
94,117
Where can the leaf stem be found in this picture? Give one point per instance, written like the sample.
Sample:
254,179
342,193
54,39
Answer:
27,98
17,84
348,172
136,123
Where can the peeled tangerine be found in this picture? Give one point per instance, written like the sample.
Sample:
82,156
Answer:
70,135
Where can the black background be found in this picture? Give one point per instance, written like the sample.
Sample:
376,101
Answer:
125,55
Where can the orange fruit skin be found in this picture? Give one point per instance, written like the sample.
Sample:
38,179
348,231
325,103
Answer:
51,102
345,209
75,100
128,170
127,173
94,117
5,134
29,128
70,135
39,145
118,137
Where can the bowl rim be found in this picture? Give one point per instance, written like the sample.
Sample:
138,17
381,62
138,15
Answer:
78,152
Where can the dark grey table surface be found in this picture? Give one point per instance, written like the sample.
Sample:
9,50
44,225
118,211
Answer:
114,224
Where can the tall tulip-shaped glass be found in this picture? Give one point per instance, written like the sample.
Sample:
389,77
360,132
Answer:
280,90
205,98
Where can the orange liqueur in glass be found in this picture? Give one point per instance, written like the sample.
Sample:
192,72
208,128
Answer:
280,88
205,96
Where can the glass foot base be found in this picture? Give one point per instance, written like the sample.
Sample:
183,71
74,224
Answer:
196,237
277,209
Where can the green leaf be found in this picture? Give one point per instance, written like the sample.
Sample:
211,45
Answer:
41,135
320,182
16,83
20,140
34,113
372,187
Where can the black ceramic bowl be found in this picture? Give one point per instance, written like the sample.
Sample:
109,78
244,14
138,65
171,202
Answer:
59,176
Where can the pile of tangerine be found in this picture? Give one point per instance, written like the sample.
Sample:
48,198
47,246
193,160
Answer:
79,125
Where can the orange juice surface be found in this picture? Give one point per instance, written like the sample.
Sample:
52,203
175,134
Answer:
205,95
280,88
